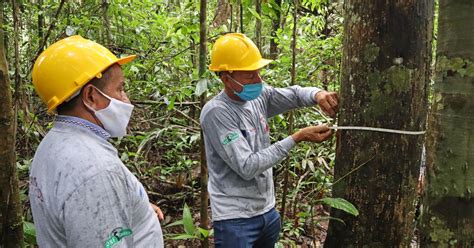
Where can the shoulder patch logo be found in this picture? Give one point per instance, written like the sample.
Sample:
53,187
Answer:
230,138
116,235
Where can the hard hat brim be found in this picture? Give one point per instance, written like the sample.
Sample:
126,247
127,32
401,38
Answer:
125,60
253,67
259,65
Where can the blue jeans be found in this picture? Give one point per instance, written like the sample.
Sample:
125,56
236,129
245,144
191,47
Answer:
260,231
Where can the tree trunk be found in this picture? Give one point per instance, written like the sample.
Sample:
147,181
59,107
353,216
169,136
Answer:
105,16
448,206
275,27
4,5
291,117
258,24
11,226
17,99
385,74
202,70
222,14
241,13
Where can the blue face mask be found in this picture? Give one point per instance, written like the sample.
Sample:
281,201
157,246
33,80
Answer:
249,91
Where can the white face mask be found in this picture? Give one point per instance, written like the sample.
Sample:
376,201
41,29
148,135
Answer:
114,117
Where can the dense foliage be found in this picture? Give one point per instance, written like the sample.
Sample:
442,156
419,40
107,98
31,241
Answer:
162,149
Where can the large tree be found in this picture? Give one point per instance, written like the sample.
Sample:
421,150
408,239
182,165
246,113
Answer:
385,75
11,226
202,100
448,208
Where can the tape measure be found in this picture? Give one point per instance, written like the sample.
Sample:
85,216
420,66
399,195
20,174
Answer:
376,129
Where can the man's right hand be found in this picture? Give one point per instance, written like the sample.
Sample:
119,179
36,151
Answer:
316,134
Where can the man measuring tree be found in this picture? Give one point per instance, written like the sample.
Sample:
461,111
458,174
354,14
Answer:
237,139
81,193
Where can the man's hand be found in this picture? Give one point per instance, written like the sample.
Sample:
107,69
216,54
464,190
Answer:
317,134
158,212
328,101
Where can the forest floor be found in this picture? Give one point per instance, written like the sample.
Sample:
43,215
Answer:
307,238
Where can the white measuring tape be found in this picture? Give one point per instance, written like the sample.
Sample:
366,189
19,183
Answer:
376,129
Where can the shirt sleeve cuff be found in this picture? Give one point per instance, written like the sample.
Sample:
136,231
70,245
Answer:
288,143
313,94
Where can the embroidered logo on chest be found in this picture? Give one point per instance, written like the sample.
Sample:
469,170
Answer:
116,235
230,138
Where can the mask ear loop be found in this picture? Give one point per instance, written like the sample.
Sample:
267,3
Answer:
92,110
102,93
235,81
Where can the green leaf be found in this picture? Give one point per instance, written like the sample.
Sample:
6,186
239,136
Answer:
330,218
29,231
340,204
254,13
176,223
188,221
183,236
171,101
204,233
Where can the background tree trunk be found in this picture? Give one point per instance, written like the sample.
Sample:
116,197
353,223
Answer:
107,27
19,95
448,207
258,24
385,74
202,70
291,114
241,14
223,14
275,27
11,226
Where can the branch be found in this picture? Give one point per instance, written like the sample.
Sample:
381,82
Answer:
186,116
45,39
151,102
304,10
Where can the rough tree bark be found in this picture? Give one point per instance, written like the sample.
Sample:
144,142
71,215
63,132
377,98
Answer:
385,74
11,226
448,206
222,14
202,69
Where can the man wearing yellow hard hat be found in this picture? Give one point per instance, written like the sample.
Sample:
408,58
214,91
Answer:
239,154
81,194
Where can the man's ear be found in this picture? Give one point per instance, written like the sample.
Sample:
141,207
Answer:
225,79
89,97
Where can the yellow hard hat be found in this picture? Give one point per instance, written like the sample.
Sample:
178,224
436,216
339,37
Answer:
67,65
236,52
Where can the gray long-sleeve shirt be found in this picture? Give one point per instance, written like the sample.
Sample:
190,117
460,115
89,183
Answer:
82,195
239,153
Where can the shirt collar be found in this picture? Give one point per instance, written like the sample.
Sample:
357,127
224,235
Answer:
99,131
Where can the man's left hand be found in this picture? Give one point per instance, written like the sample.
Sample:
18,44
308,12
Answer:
158,212
328,101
